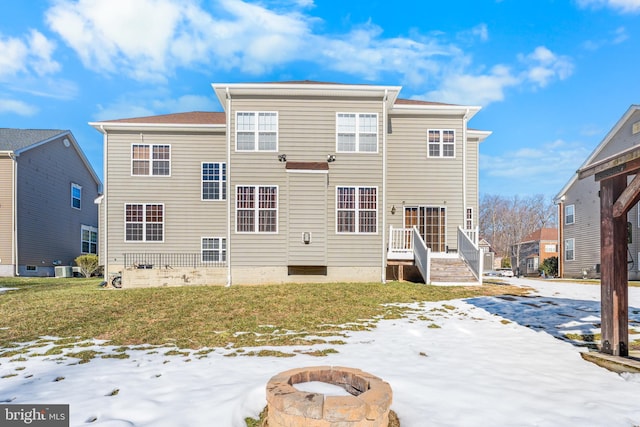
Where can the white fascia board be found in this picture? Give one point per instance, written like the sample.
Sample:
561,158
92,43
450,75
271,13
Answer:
102,127
472,110
480,134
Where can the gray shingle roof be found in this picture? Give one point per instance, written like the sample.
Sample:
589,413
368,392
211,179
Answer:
16,139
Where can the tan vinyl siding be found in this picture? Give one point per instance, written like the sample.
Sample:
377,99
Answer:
307,214
307,133
416,179
187,218
49,229
6,211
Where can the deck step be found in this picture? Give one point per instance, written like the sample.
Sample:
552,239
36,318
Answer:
450,270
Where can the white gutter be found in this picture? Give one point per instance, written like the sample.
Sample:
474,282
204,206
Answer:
465,119
228,116
105,215
14,219
383,277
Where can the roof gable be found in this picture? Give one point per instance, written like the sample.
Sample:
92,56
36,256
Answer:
542,234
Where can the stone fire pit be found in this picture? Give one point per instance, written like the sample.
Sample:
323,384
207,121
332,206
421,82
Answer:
367,404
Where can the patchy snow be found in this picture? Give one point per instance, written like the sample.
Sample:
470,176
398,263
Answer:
485,361
321,387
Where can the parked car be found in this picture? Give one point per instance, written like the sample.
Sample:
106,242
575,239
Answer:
505,272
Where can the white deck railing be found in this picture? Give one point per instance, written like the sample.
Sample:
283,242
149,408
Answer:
470,252
421,256
400,244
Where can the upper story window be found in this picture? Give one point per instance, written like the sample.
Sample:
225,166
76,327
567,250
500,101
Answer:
569,214
256,209
256,131
550,248
144,222
89,236
150,160
76,196
441,142
214,181
357,132
357,210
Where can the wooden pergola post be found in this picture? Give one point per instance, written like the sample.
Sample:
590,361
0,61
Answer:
613,269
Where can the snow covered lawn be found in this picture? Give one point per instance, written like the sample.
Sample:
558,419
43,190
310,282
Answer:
486,361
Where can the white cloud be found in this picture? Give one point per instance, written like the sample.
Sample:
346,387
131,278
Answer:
32,54
544,66
149,39
547,167
623,6
12,106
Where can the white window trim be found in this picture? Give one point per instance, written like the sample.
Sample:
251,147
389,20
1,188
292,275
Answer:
221,251
256,132
223,183
79,187
90,229
466,220
357,211
573,245
573,214
144,222
357,132
441,144
150,160
256,209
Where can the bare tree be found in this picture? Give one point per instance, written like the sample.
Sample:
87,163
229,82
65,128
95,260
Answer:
504,222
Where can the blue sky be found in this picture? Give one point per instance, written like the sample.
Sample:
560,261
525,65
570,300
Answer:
552,76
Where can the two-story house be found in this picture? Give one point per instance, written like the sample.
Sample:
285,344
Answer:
579,208
47,212
533,250
295,181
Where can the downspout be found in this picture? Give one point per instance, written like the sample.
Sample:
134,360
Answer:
14,220
105,212
383,274
464,167
228,114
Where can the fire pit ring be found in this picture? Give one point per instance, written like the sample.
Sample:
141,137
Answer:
367,406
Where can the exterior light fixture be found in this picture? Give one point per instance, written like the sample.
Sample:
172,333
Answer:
282,158
393,210
331,158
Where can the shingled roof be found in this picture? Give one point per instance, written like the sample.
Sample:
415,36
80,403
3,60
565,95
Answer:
16,139
189,118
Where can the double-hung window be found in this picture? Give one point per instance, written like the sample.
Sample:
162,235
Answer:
441,143
357,132
214,181
357,210
144,222
569,250
76,196
151,159
257,209
469,219
569,214
256,131
214,249
89,236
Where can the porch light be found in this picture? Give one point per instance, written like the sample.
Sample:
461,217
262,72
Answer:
331,158
393,210
282,158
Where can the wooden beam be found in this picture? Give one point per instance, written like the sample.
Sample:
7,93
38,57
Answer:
628,199
624,162
613,270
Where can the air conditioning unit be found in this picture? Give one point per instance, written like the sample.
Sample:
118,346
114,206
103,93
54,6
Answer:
64,271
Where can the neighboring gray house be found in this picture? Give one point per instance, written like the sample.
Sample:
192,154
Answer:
295,181
579,209
47,212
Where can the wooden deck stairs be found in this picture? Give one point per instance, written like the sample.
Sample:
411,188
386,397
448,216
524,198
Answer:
451,270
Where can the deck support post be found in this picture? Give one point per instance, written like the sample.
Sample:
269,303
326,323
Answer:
613,268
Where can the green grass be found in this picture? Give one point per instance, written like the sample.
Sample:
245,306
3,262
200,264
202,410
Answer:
207,316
